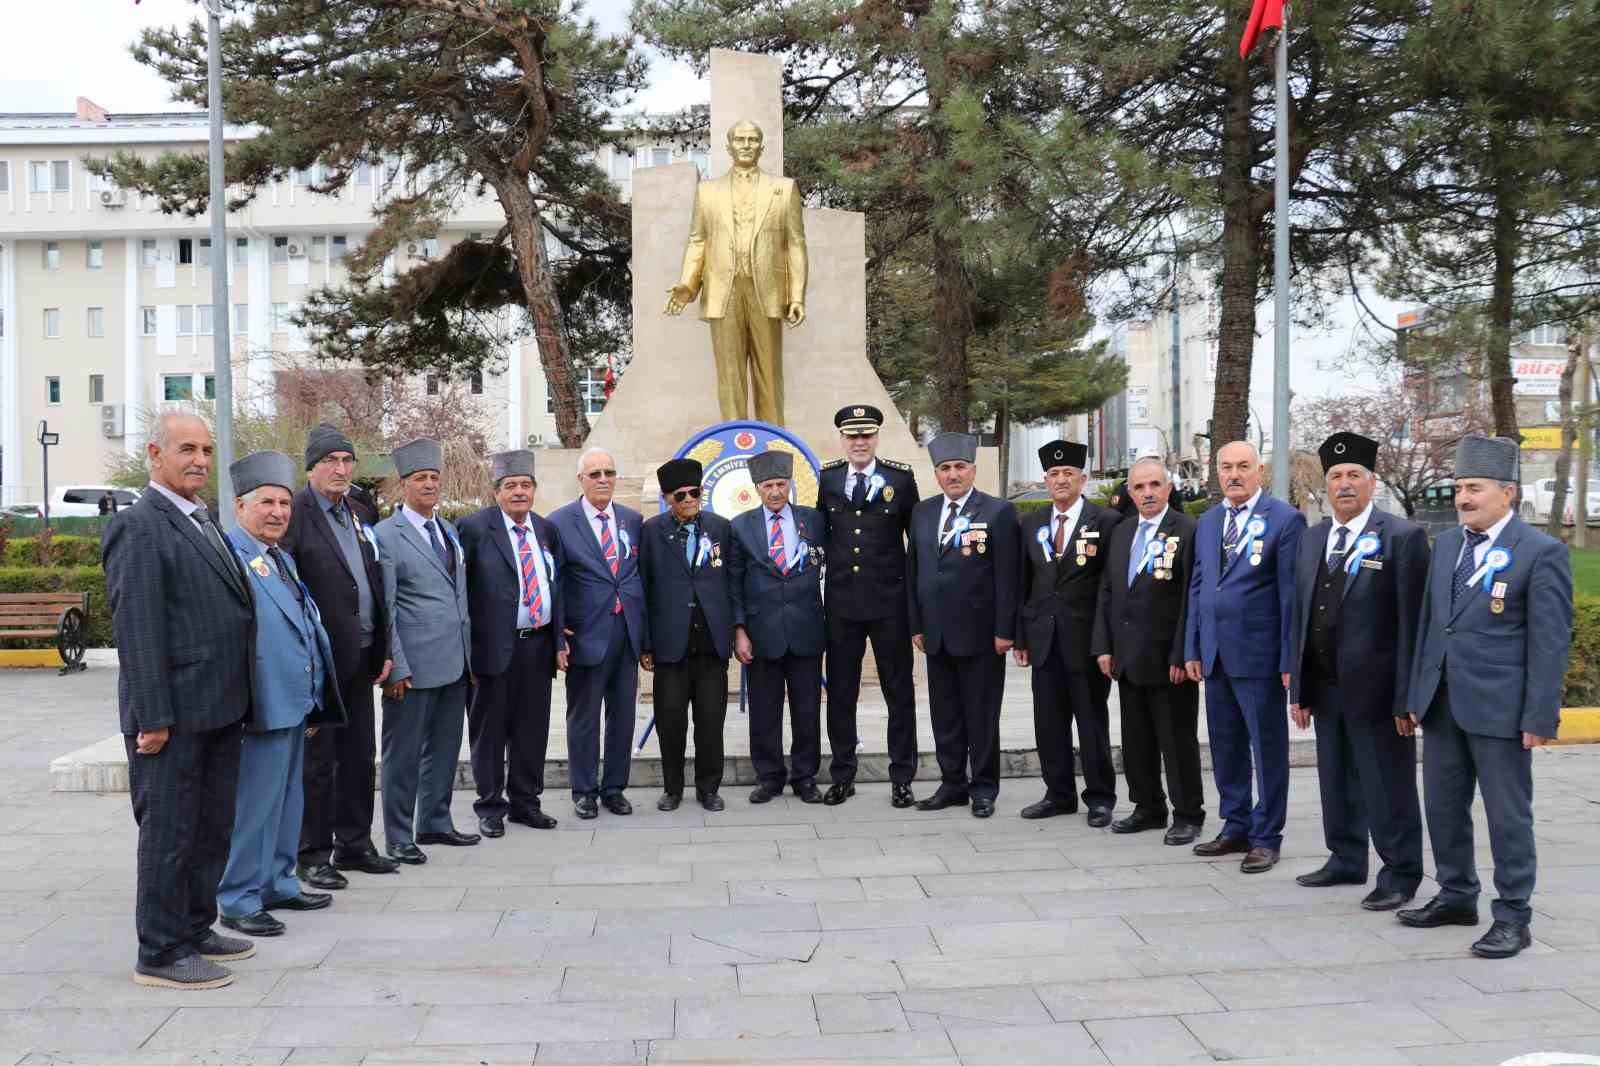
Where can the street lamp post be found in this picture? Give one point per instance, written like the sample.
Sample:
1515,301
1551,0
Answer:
47,440
221,330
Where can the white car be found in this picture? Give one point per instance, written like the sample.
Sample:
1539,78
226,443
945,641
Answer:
83,501
1538,497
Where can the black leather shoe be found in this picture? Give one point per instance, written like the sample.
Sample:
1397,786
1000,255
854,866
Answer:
669,801
942,799
452,839
1324,877
305,901
1099,817
982,808
1503,940
586,807
258,924
1045,808
1223,844
1137,823
616,803
901,796
532,819
764,794
808,792
323,875
1259,861
1433,914
492,826
1383,899
1181,833
837,794
409,854
713,802
367,862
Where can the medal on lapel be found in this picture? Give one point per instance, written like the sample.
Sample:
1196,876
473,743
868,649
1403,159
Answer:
1497,601
1255,528
1495,561
259,565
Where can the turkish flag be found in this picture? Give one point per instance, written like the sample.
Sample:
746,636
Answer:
1266,14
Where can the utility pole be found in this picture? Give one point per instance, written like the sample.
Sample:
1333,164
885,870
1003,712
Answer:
221,311
1580,479
1280,274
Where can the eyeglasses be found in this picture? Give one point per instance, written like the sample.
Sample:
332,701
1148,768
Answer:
679,495
334,460
596,475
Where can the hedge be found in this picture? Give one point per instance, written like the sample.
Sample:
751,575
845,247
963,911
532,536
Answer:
75,525
71,551
90,579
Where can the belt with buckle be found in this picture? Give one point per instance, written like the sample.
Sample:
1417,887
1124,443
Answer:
528,634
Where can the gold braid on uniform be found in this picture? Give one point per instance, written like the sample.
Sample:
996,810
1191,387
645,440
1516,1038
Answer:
893,464
805,479
706,451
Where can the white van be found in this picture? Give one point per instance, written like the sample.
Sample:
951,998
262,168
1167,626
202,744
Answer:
83,501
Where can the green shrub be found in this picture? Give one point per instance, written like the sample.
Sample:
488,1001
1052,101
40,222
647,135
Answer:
90,579
1027,507
1582,687
75,525
71,551
1196,508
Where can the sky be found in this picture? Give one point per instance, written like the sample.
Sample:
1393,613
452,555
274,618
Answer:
52,53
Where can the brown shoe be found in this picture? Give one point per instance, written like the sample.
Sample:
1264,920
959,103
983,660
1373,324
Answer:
1259,861
1222,845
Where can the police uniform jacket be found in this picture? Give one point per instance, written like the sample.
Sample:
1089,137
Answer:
866,576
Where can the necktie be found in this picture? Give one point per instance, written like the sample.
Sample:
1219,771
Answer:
1336,559
532,591
446,559
208,529
858,495
337,510
689,544
1061,534
775,547
1468,563
608,548
1230,535
283,571
1136,555
945,537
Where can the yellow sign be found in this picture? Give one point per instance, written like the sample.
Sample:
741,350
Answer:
1538,437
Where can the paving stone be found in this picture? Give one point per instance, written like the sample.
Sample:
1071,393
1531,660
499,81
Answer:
1356,1053
857,1049
466,954
249,988
810,890
1017,970
481,1054
761,979
887,888
622,1019
404,987
1081,1000
591,897
693,949
200,1057
75,1029
617,874
596,983
1530,971
1059,937
240,1027
1027,1045
744,1017
951,1009
1503,1052
875,1012
1510,1015
518,923
775,916
1309,1030
949,910
596,1053
1162,1041
1410,980
976,862
1128,901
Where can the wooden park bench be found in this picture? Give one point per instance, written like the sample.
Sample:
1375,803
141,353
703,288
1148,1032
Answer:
61,616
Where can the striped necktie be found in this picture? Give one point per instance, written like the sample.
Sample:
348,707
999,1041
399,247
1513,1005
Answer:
775,547
532,590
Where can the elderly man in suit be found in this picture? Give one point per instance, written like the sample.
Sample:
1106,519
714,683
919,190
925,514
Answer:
430,640
1138,639
513,559
335,550
779,631
1492,648
1240,641
293,694
867,500
1063,556
184,624
683,557
1357,596
607,632
961,583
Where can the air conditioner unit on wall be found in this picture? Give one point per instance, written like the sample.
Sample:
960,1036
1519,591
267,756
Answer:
295,250
111,420
413,248
535,439
113,197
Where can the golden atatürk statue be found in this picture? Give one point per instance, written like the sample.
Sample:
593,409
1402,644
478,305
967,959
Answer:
746,259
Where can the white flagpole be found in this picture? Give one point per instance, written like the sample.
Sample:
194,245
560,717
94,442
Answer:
1280,274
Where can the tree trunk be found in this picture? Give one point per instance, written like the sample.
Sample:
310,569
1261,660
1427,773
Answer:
1580,480
1241,269
1002,430
1569,434
538,287
1501,303
952,316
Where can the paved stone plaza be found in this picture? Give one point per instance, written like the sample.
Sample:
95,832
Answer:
788,933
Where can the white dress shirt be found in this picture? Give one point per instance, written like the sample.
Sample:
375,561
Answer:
188,507
1482,549
592,513
1355,526
1072,514
944,514
864,475
524,621
791,536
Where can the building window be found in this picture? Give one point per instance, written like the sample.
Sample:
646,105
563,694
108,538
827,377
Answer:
96,255
338,247
147,321
147,253
361,173
280,318
177,386
53,176
203,257
591,386
185,320
319,249
185,251
702,159
431,385
52,255
1546,334
303,175
203,314
97,321
97,388
280,249
52,390
621,164
476,382
660,157
241,250
5,176
52,321
211,386
241,318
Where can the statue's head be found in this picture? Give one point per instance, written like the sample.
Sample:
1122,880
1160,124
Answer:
744,143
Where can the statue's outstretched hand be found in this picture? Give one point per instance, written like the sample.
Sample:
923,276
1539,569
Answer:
678,298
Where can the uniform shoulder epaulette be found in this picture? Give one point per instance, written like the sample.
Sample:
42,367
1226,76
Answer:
831,463
894,464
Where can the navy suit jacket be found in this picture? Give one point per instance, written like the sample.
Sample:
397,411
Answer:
962,599
322,566
671,586
1060,597
588,587
1377,628
1247,610
494,586
183,628
1505,671
781,612
1142,626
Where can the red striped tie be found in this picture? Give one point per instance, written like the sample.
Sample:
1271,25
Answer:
775,547
532,590
608,548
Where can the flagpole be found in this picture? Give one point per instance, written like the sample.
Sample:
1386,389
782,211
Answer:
1280,273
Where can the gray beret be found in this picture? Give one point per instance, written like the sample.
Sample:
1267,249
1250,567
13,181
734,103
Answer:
420,454
261,468
323,440
1490,457
764,466
947,447
517,463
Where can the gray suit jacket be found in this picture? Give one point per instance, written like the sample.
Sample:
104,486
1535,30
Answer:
430,636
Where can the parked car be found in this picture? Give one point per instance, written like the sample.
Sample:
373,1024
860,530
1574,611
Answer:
83,501
1538,497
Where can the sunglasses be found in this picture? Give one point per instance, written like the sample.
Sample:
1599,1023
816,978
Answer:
679,495
596,475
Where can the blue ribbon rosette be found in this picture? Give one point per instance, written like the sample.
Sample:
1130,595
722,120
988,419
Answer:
1043,537
1366,547
1253,531
1495,561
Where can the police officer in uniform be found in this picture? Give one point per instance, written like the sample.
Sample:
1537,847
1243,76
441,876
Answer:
867,501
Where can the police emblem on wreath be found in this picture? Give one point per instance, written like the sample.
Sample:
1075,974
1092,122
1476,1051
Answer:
724,451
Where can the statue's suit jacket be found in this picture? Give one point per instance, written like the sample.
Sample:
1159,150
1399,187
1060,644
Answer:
777,257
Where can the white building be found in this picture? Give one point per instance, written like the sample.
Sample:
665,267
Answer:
105,302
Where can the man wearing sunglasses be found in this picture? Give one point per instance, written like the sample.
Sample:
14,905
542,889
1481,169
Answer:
683,553
867,501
